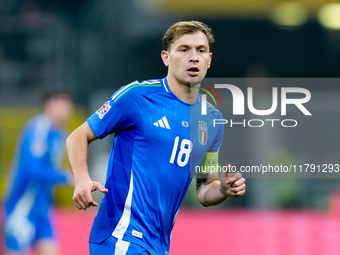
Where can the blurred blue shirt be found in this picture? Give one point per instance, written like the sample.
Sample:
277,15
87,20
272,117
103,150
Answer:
35,168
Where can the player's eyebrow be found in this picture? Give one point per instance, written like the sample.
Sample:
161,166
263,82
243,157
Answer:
188,46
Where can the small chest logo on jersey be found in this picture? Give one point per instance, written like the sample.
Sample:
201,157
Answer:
103,110
137,234
185,123
163,123
202,133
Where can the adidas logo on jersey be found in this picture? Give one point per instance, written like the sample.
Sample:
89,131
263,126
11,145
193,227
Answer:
163,123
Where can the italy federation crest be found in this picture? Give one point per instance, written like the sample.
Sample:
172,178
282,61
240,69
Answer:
202,133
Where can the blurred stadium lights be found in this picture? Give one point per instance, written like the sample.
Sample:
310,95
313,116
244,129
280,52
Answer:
329,16
148,6
286,13
289,14
232,8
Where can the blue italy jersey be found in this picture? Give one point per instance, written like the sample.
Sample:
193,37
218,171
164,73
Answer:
35,169
149,167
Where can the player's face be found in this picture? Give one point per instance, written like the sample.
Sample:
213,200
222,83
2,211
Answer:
59,110
188,58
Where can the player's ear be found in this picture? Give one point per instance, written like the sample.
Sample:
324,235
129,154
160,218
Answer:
210,54
165,57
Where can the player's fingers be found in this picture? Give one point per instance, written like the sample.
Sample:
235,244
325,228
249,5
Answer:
84,202
79,203
241,192
238,188
98,186
230,180
84,198
226,173
237,175
76,203
233,178
239,182
89,199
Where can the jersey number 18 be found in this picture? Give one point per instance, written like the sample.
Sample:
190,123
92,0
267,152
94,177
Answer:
184,152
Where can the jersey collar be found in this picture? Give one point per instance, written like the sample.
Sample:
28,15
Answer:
164,82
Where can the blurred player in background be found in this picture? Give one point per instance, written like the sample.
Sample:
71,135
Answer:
161,136
36,168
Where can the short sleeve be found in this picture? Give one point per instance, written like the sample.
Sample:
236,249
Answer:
116,114
218,136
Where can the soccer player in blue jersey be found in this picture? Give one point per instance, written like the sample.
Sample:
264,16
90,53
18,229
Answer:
160,136
36,169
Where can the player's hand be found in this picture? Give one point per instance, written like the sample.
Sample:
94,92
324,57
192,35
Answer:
82,196
233,184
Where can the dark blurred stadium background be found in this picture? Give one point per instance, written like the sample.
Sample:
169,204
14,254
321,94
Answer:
94,47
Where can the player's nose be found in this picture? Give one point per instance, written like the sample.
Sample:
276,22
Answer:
193,56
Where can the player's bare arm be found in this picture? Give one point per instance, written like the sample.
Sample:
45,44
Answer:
211,190
77,146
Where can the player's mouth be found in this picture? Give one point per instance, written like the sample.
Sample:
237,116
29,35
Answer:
193,71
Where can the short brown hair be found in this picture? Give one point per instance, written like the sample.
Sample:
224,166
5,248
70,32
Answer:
56,93
186,27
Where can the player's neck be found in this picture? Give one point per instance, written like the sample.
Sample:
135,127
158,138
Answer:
52,119
184,92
